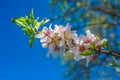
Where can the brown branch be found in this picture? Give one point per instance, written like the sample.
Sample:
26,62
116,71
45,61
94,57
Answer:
113,53
113,13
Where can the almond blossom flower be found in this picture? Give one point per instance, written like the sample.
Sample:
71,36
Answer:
68,37
83,45
45,36
99,44
54,46
61,38
51,40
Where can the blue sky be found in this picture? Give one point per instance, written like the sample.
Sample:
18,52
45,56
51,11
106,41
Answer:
17,60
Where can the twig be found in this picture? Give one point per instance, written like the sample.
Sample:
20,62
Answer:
114,53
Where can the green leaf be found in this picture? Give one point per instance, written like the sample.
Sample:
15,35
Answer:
32,16
97,36
22,19
29,25
18,22
67,49
92,46
106,45
46,20
41,23
31,40
114,64
86,53
24,29
36,21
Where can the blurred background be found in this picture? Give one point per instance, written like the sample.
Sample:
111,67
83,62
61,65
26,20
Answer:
20,62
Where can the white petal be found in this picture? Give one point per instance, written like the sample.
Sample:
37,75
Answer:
88,59
68,27
88,32
45,28
43,39
48,40
81,38
44,45
62,43
68,42
39,35
74,35
103,40
87,46
51,48
74,50
50,27
52,34
56,27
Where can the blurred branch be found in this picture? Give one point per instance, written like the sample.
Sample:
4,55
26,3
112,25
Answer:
113,13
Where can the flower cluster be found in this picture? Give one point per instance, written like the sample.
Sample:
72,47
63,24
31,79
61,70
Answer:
62,40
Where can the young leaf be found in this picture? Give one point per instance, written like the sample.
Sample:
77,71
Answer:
92,46
106,45
98,37
32,16
114,64
86,53
18,22
29,25
41,23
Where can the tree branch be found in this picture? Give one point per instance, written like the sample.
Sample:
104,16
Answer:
113,53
